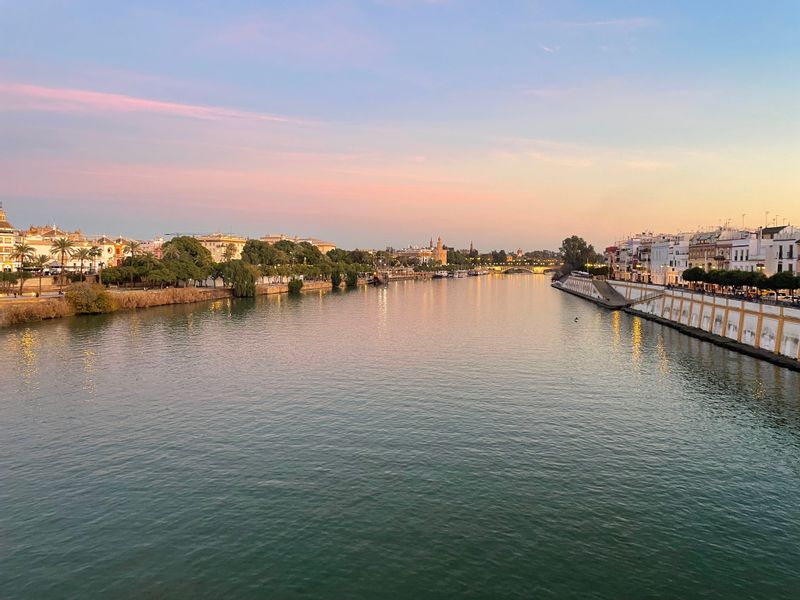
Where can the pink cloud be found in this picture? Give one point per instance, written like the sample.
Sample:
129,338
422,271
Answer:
23,96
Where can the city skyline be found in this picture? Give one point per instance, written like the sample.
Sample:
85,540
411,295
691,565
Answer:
371,123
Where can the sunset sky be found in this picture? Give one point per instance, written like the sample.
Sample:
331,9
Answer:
385,122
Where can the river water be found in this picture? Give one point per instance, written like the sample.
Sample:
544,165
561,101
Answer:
487,437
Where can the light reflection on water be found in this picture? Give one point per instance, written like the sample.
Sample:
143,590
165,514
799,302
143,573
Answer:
481,437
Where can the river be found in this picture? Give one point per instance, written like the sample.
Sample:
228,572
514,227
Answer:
486,437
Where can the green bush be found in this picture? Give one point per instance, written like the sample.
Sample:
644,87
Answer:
295,285
336,279
7,281
89,299
351,279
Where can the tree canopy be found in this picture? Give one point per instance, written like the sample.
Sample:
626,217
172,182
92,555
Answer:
577,253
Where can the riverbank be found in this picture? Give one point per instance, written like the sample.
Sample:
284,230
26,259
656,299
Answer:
767,332
26,310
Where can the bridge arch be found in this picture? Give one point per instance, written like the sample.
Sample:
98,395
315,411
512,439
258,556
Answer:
533,269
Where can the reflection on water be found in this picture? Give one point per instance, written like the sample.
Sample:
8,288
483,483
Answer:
662,354
26,346
88,369
770,392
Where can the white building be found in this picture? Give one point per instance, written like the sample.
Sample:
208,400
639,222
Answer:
782,251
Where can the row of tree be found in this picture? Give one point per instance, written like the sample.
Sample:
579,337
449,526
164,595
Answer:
743,279
185,260
31,264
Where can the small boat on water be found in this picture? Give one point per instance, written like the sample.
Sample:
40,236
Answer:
440,274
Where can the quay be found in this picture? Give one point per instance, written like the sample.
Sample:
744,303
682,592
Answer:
764,331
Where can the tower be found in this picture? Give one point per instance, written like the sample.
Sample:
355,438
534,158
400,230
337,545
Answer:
440,254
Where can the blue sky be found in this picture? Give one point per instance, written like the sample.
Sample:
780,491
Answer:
385,122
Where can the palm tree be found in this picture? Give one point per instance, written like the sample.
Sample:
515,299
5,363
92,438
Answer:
39,263
83,254
24,254
95,253
63,247
170,252
132,247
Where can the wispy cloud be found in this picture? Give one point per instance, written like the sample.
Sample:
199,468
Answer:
24,96
627,23
550,49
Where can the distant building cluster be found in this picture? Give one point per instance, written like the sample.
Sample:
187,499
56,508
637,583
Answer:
662,258
41,238
111,251
224,246
425,255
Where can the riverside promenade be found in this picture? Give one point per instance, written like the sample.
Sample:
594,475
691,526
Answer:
766,331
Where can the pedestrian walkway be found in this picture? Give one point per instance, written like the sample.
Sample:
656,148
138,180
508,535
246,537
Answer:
611,296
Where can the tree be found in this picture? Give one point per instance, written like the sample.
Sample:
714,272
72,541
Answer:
229,253
83,255
132,248
63,247
187,258
694,275
241,277
783,281
169,252
336,279
456,258
24,254
351,278
95,252
576,253
262,254
7,281
40,263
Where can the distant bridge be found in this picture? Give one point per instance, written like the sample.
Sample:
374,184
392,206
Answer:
535,269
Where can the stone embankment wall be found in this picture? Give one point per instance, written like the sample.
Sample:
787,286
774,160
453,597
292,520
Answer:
775,329
764,330
25,310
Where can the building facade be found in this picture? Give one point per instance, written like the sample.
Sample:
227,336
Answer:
321,245
222,245
7,239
